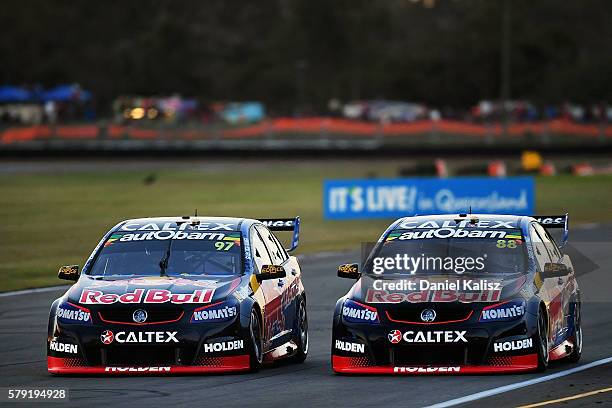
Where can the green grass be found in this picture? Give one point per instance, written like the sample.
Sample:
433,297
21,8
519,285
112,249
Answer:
50,220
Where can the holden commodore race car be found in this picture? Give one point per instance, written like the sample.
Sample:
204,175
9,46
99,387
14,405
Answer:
446,294
181,295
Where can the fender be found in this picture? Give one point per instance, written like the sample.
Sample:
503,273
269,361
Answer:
338,308
52,320
245,310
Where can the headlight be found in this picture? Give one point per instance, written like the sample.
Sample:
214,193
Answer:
505,311
217,312
242,293
355,312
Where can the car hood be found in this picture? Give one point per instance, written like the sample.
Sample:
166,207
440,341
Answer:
153,290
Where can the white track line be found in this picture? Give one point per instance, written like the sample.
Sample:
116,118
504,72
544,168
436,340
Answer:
510,387
37,290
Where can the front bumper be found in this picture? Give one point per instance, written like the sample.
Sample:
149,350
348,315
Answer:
200,348
360,365
61,365
368,349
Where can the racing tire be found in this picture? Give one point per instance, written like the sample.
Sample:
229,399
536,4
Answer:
302,333
576,353
256,341
541,341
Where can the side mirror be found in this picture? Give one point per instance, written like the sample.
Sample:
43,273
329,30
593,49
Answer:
555,270
69,272
350,271
271,272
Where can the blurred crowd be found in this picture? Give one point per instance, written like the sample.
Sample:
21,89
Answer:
35,105
385,111
525,111
70,103
175,109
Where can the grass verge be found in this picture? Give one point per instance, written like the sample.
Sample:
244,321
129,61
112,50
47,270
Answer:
50,220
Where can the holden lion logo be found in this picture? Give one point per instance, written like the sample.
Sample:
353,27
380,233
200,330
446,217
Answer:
107,337
139,316
428,315
395,336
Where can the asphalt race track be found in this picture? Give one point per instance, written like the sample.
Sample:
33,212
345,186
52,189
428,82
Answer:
23,356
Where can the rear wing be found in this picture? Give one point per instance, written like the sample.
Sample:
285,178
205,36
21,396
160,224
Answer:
555,221
285,224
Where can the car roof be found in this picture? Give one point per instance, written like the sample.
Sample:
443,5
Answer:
515,221
212,223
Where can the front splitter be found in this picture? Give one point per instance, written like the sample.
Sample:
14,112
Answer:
57,365
355,365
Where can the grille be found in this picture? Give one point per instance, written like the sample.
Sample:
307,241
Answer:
500,361
429,355
472,353
74,362
124,315
140,356
517,330
444,312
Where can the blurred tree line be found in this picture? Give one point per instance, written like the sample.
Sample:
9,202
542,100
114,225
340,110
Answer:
304,52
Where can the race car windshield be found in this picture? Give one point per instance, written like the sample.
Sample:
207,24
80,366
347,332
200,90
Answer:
190,254
473,251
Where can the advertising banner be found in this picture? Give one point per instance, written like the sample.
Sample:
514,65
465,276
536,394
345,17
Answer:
395,198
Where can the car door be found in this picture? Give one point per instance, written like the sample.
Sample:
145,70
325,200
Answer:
274,321
562,285
290,284
551,291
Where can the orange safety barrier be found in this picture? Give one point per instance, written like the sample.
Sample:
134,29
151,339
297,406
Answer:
12,135
139,133
567,127
115,132
248,131
192,135
77,132
329,127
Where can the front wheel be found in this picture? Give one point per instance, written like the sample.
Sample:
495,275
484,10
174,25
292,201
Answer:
541,340
256,346
302,332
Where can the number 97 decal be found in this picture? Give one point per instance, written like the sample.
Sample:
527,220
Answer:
223,246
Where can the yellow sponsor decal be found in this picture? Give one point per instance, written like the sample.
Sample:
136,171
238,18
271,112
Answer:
254,283
271,269
348,268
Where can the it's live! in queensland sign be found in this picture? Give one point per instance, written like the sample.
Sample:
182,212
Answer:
394,198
